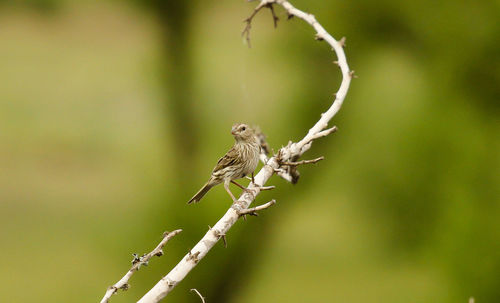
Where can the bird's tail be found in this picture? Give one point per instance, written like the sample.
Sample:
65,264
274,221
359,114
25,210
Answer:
202,192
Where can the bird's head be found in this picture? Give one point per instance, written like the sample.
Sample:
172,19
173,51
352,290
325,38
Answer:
242,132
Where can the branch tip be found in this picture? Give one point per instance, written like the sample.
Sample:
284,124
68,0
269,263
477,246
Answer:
198,293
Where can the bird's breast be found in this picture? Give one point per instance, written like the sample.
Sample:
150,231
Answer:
252,158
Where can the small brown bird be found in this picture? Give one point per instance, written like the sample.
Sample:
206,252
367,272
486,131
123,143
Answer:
241,160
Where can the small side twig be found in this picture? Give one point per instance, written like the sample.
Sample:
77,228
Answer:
198,293
253,211
261,188
193,257
303,162
324,133
219,235
224,239
137,262
275,18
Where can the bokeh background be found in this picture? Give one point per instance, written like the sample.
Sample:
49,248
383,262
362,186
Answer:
113,113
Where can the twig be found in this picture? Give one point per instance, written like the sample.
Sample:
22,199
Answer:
290,152
137,262
199,295
253,211
275,18
219,235
246,31
324,133
224,239
303,162
262,188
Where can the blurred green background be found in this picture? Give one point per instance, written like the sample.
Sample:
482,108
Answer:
113,113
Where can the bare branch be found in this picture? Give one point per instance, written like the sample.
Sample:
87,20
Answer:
199,295
137,262
289,153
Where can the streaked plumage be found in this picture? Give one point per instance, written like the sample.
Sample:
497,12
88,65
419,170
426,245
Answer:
241,160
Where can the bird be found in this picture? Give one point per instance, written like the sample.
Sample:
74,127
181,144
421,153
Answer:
240,161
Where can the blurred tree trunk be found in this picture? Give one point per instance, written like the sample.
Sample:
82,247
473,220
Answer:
174,18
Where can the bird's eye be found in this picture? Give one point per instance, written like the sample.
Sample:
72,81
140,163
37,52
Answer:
243,128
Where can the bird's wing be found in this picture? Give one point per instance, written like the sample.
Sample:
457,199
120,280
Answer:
229,159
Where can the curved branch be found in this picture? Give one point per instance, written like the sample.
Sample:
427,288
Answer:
291,152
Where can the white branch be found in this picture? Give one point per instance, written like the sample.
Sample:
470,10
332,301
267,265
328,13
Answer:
199,251
137,263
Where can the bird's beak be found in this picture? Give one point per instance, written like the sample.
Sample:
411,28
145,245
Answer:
233,131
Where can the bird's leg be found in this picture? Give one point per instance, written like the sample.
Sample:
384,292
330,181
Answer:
247,190
242,187
226,187
261,187
251,178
